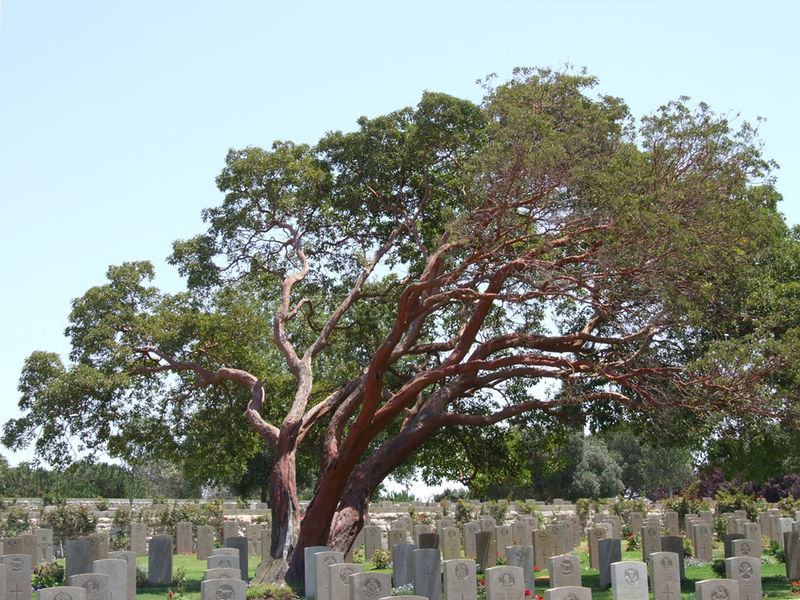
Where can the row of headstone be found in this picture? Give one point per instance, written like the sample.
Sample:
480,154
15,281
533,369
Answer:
38,545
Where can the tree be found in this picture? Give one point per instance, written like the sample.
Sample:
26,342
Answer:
418,278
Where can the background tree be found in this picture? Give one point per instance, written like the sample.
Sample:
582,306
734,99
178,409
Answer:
399,282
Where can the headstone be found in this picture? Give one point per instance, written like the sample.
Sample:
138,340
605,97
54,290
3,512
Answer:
608,551
372,540
98,546
95,585
635,521
451,543
159,564
421,529
2,577
674,543
339,578
542,547
629,580
470,531
521,532
522,556
240,543
504,583
703,542
486,554
728,542
18,576
671,522
403,564
747,572
428,541
225,552
76,553
44,545
139,538
746,547
717,589
222,573
396,537
310,576
595,534
793,558
223,589
428,573
323,560
708,517
665,576
557,533
460,580
608,528
752,531
487,524
28,546
130,564
253,535
266,543
117,571
183,538
61,593
784,526
616,523
565,570
570,592
357,543
230,529
503,537
370,586
223,561
205,541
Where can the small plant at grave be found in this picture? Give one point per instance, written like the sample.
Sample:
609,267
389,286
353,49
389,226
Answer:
404,590
463,511
122,518
47,575
789,506
262,518
795,588
720,528
120,541
101,504
358,555
634,542
243,503
382,559
14,522
688,548
482,589
179,583
718,567
141,576
777,550
270,591
501,560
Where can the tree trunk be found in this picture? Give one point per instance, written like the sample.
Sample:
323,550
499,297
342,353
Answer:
284,507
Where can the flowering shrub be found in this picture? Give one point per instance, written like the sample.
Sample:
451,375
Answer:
382,559
47,575
795,587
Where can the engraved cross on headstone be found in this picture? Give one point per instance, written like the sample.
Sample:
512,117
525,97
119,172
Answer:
18,593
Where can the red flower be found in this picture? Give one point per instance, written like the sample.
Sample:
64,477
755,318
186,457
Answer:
527,592
170,594
539,597
630,533
535,568
483,582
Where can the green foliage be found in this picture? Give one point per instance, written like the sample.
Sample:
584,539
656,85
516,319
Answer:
789,506
686,504
718,567
122,518
69,522
633,541
688,548
464,511
46,575
585,507
13,522
271,592
382,559
623,507
101,504
720,528
730,500
496,510
119,541
777,550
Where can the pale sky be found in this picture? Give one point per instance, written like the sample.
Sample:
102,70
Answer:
115,117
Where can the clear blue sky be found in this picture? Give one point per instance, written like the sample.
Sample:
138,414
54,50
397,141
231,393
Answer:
115,116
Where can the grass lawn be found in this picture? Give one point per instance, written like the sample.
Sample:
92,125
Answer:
773,578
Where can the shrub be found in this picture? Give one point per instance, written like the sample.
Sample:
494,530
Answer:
69,522
730,500
720,528
498,510
623,508
684,505
270,592
382,559
101,504
122,518
47,575
14,522
789,506
718,567
120,541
